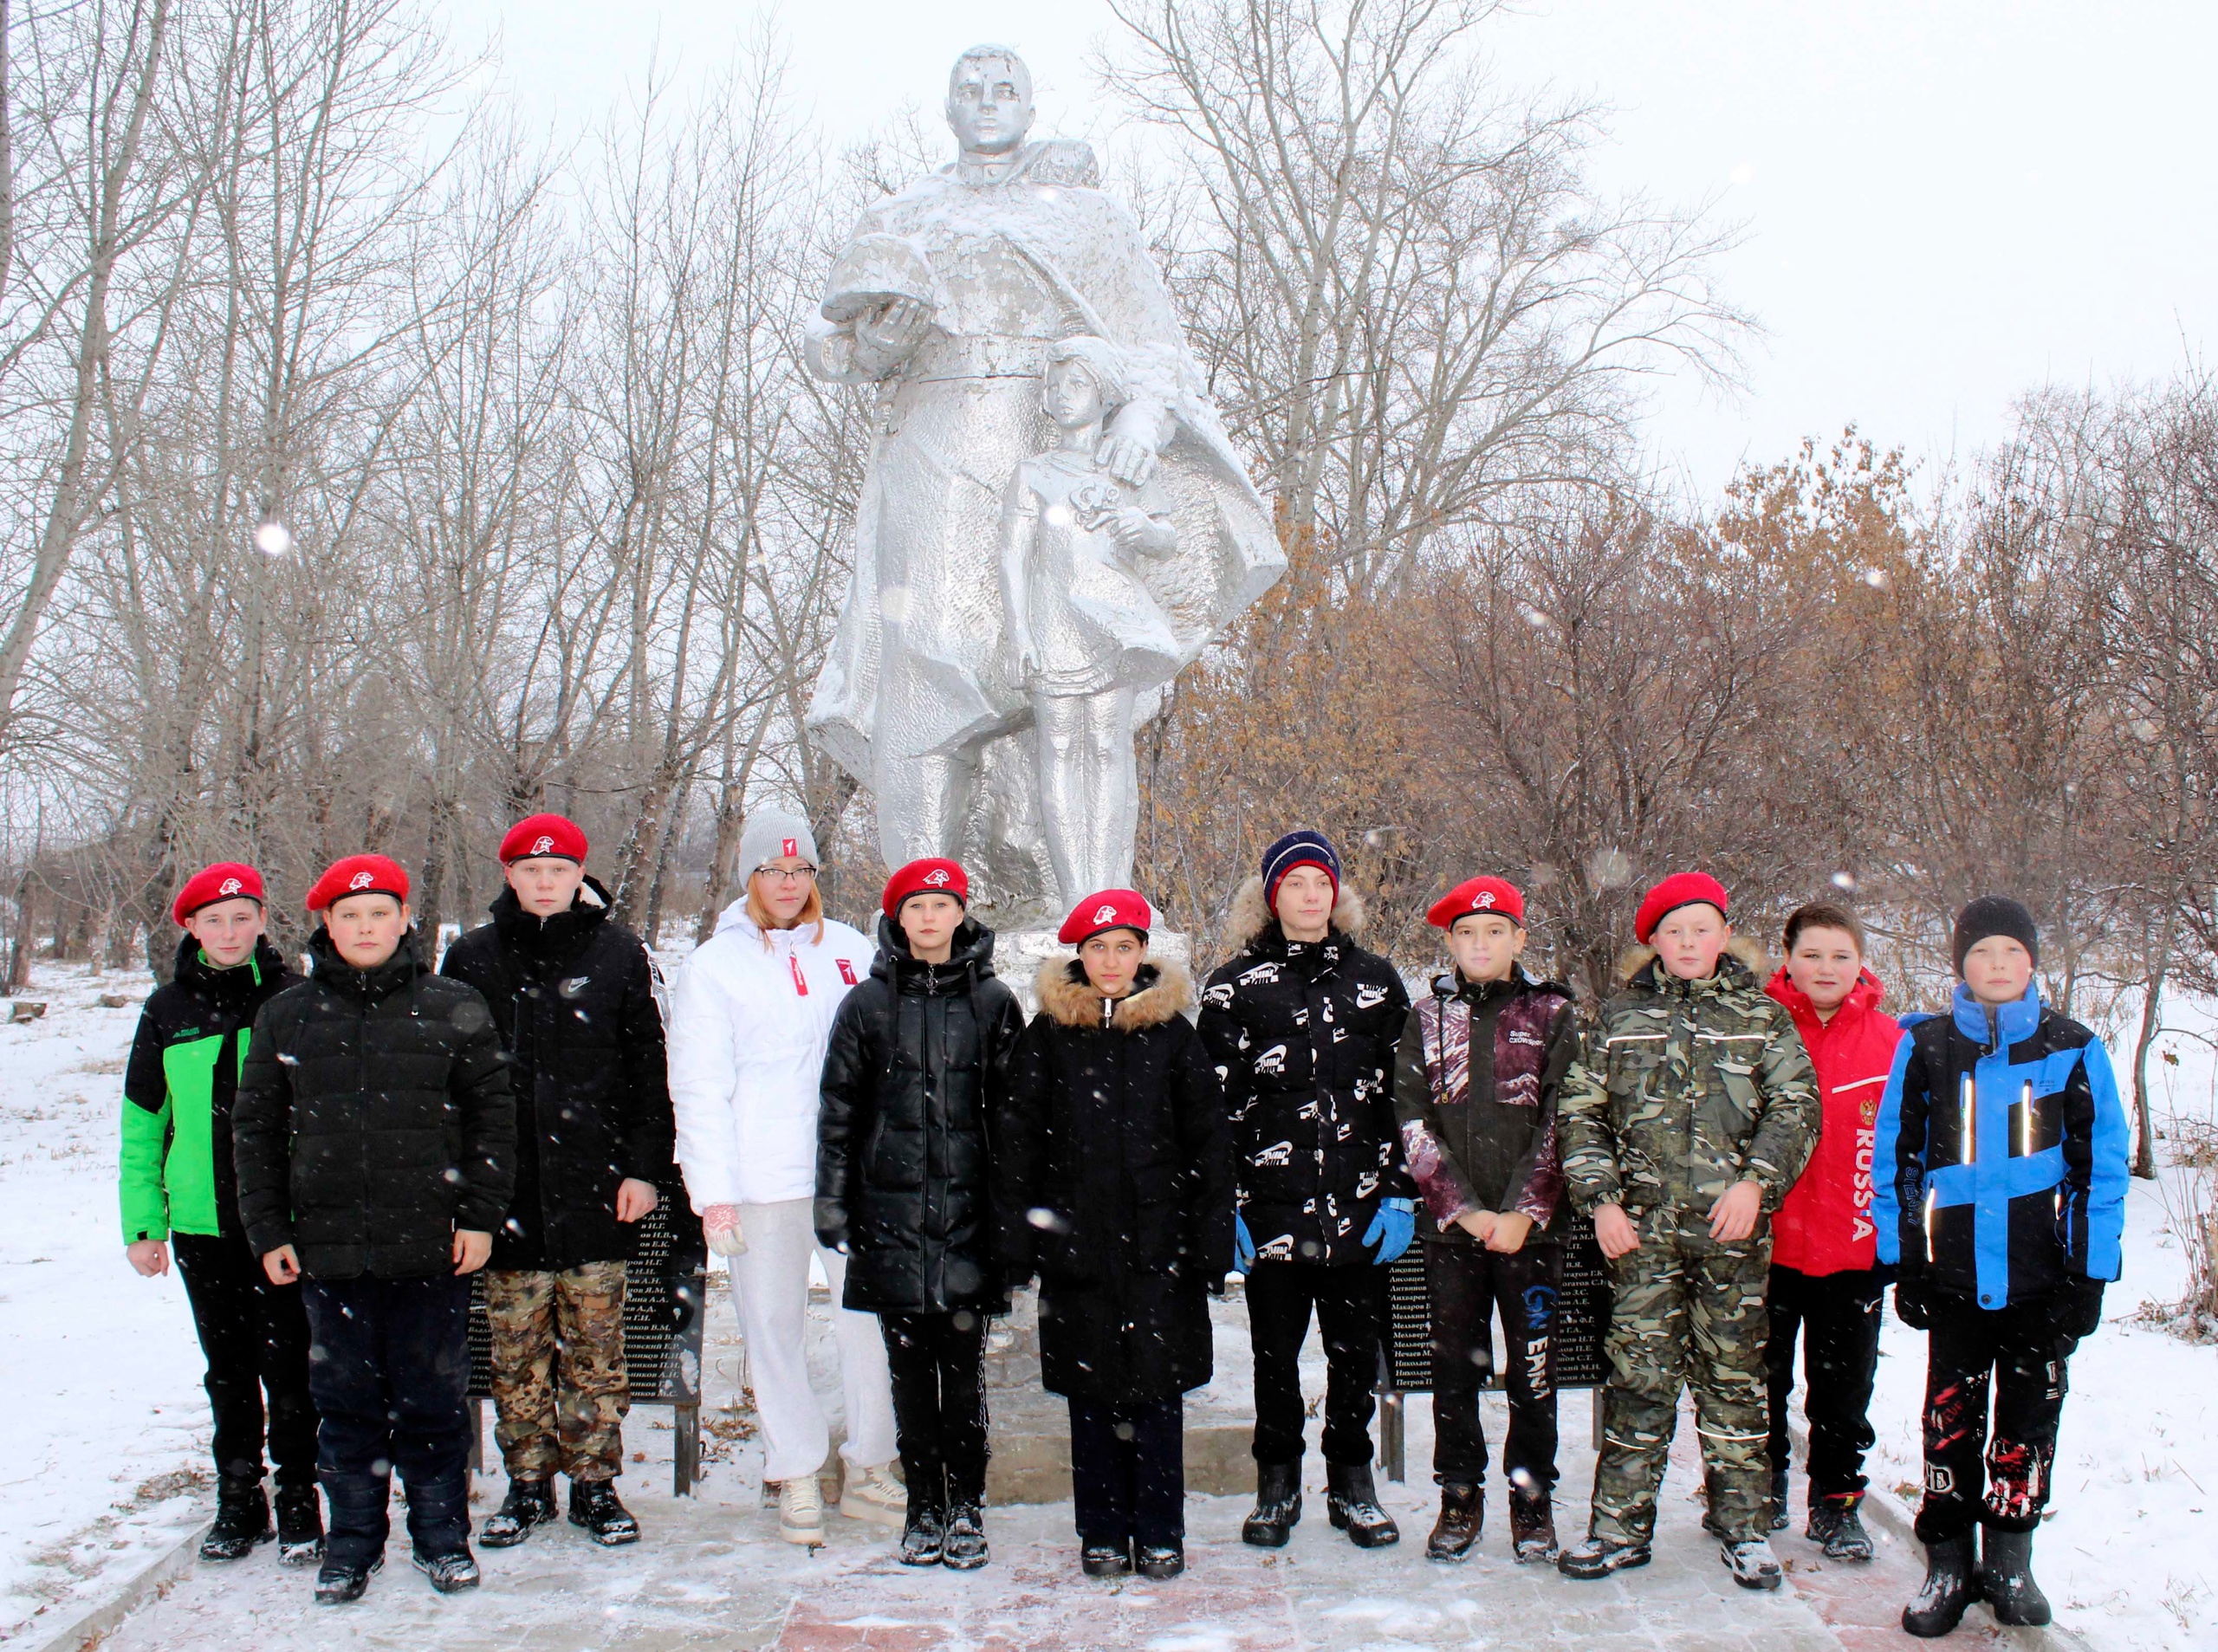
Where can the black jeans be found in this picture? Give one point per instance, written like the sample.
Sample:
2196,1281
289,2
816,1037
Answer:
256,1338
2016,1354
939,1405
391,1373
1464,1284
1350,1300
1128,1472
1836,1317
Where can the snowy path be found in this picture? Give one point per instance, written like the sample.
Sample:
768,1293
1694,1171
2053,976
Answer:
99,1381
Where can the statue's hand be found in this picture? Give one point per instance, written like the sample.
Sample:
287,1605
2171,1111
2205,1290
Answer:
1138,534
891,332
1132,462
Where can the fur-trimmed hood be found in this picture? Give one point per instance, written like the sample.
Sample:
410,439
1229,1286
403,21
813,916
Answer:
1748,951
1250,915
1162,991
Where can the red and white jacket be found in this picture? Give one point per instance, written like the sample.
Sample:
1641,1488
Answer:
750,1016
1824,1225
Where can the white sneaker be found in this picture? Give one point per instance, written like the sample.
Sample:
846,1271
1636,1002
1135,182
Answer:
873,1494
801,1510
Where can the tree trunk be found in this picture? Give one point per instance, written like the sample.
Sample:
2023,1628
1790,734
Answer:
2144,1133
19,949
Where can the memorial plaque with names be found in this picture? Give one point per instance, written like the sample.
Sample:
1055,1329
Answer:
1583,1315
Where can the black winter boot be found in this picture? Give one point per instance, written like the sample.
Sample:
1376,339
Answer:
1351,1504
1949,1588
341,1581
594,1507
1835,1524
1599,1557
1278,1505
1532,1528
530,1503
966,1549
449,1573
2005,1578
1159,1560
1106,1560
242,1521
1462,1516
300,1526
923,1533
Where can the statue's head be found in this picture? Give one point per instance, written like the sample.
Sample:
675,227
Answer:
990,101
1087,378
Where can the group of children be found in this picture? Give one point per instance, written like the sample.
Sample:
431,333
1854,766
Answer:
1758,1158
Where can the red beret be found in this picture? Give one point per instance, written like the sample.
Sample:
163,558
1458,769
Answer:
1680,889
1495,895
1112,909
227,880
544,835
931,875
359,875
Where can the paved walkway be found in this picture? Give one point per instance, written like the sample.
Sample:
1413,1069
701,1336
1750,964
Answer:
713,1573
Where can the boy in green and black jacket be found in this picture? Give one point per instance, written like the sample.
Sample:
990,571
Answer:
178,1186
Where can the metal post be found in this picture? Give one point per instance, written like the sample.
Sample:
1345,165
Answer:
1391,1451
685,1450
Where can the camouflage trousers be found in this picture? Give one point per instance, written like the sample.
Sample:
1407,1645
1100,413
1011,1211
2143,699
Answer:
560,1386
1688,1311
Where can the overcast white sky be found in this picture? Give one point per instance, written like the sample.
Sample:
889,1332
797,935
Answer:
1946,203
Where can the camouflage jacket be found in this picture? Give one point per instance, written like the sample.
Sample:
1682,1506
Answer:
1684,1088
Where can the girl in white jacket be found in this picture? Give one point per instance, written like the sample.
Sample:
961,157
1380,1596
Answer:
750,1019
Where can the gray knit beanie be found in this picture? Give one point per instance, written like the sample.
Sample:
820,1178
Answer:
770,833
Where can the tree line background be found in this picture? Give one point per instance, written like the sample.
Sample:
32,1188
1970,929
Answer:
373,471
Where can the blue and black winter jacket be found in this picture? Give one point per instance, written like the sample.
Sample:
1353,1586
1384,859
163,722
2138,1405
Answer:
2001,1157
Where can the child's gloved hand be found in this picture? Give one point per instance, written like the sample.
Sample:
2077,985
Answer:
2076,1311
1392,1228
1244,1245
720,1227
1909,1302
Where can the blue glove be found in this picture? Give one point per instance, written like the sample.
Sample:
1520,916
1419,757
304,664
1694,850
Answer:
1244,1245
1392,1228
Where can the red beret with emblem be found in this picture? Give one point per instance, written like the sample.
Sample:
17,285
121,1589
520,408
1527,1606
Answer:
227,880
931,875
544,835
1680,889
359,875
1111,908
1495,895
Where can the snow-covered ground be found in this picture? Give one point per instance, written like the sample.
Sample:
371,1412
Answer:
99,1387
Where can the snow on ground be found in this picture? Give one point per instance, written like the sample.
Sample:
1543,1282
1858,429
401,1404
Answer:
101,1386
99,1381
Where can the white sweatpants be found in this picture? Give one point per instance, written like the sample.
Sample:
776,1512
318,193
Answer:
770,1281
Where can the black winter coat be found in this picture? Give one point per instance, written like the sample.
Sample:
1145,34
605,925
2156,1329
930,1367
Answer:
917,1063
373,1119
574,999
1303,1036
1115,1169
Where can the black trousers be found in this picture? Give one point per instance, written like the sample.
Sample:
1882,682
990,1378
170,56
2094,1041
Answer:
1464,1286
391,1373
1128,1471
1350,1301
1836,1317
254,1336
2013,1356
939,1405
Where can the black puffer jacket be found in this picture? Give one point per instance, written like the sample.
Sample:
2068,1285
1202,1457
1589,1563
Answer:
1115,1170
918,1061
1303,1035
574,999
373,1119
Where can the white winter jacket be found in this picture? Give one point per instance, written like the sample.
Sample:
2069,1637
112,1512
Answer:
747,1027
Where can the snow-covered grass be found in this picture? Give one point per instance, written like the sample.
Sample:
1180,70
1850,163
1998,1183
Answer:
99,1372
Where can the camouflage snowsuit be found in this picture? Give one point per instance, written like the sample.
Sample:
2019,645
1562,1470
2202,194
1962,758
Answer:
1683,1089
574,1426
